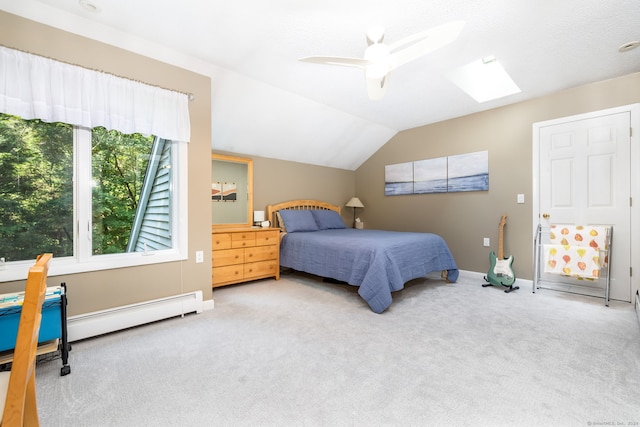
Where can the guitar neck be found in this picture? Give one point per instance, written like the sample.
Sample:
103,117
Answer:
503,221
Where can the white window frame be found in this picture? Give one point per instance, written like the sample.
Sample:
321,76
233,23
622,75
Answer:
83,261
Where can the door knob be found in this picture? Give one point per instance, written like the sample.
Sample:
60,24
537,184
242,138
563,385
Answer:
546,216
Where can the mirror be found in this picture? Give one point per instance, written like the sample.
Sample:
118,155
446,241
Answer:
231,191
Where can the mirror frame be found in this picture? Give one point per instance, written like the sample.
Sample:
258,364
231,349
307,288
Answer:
249,163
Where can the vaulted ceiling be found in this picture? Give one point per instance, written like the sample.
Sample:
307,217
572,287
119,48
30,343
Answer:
268,103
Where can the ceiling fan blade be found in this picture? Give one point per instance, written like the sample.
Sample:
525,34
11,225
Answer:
377,87
420,44
337,60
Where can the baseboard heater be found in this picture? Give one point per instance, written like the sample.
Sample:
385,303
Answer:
114,319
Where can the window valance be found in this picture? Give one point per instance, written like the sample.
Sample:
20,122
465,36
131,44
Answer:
35,87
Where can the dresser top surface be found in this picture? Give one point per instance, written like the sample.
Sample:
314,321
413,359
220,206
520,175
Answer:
242,229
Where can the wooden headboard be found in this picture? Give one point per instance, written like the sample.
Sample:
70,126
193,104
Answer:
305,204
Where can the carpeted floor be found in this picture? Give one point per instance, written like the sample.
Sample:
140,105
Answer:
300,352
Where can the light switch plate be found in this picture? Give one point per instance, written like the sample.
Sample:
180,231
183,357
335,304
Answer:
520,198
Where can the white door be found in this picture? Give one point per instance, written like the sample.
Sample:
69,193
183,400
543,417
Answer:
585,178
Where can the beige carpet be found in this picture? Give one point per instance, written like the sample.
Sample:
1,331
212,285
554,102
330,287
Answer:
300,352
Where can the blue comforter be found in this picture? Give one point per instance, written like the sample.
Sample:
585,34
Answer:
377,261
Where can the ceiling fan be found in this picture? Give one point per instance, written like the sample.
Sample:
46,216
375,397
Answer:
379,58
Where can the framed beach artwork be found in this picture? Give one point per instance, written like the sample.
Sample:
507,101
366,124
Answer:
398,179
464,172
468,172
430,176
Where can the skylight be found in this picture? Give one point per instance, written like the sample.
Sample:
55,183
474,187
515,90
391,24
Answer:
484,80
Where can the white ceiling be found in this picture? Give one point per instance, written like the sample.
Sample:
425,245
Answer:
267,103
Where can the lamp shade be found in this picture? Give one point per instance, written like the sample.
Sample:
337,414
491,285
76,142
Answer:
354,203
258,216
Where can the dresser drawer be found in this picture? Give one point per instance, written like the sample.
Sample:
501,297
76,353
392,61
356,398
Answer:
228,257
243,240
231,273
260,269
221,241
260,253
267,237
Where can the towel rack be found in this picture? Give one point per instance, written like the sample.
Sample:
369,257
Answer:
580,252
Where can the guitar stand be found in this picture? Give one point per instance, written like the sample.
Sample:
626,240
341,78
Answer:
510,288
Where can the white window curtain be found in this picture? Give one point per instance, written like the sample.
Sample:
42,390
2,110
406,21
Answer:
35,87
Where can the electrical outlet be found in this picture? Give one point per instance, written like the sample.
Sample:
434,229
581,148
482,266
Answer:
199,257
486,242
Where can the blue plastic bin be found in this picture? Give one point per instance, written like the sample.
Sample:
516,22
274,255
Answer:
50,327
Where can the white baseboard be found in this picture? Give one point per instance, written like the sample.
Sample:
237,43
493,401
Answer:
208,305
104,321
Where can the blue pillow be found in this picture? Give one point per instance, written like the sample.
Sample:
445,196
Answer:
328,219
298,220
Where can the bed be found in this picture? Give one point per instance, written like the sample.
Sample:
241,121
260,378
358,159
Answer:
315,240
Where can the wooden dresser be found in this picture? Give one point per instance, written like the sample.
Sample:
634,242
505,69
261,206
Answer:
243,254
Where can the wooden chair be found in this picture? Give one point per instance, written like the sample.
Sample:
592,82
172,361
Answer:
18,386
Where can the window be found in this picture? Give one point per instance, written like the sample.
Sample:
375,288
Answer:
97,199
36,191
122,208
118,167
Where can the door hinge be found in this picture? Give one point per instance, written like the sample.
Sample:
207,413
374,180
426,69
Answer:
630,271
630,201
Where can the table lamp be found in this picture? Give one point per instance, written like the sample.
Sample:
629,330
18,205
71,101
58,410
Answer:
258,217
354,203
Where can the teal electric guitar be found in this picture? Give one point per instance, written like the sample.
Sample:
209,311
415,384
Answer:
501,271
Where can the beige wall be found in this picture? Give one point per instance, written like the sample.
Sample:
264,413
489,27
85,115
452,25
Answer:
463,219
110,288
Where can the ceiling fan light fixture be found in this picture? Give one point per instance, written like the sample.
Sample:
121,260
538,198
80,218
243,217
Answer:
378,71
376,52
378,57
